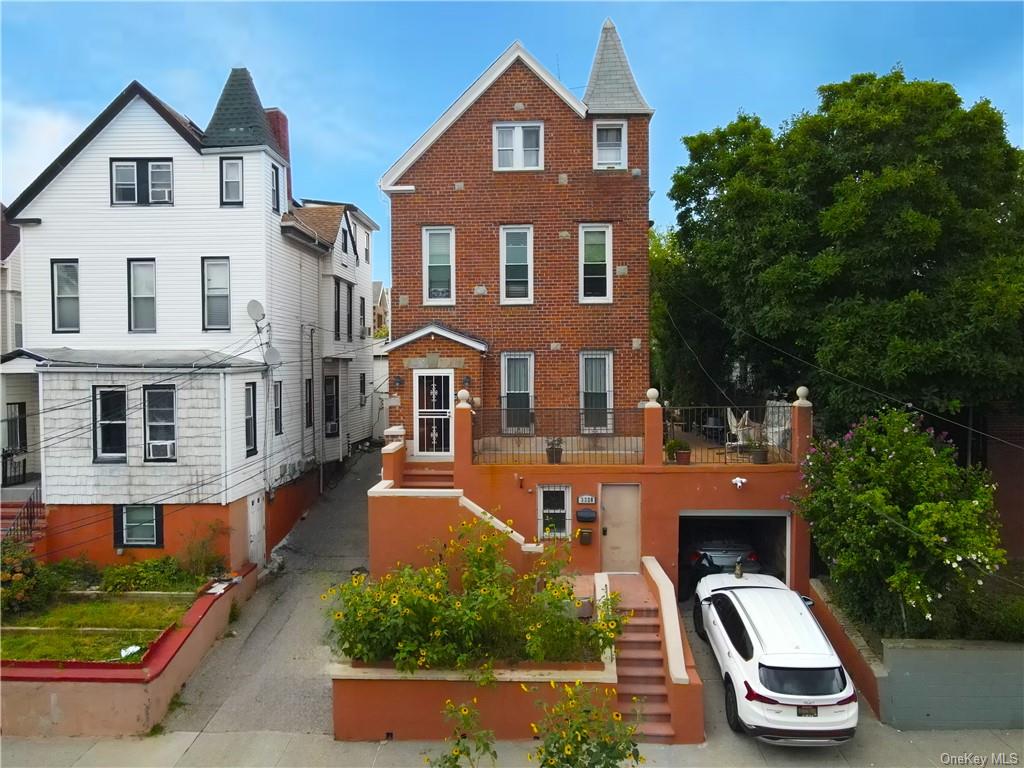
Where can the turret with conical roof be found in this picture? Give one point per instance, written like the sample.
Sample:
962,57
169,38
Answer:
612,88
239,119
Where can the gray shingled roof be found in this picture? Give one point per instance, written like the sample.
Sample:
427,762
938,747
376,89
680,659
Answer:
612,89
239,119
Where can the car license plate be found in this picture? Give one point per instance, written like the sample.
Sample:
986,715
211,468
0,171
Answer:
802,711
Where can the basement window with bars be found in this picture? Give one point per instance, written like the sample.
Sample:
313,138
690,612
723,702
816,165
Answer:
160,423
553,506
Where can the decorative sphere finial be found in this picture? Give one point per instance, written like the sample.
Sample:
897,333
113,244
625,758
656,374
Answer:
463,395
652,398
801,395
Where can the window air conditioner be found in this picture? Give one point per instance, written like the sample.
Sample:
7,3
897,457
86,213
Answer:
332,428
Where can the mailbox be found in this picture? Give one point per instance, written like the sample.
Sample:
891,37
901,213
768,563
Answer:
586,515
586,536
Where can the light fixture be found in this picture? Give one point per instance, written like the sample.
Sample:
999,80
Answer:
466,381
399,381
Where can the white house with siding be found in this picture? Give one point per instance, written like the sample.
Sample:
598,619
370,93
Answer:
179,359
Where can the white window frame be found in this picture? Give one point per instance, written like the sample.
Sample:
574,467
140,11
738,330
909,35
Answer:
206,294
173,453
517,146
332,395
278,407
114,183
609,358
528,228
427,231
170,191
609,271
505,428
275,187
129,542
624,158
98,453
251,414
567,492
133,295
224,163
57,296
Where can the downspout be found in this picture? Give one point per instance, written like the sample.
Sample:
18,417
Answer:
312,376
224,441
40,437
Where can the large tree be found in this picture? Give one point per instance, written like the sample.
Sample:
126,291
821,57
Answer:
879,238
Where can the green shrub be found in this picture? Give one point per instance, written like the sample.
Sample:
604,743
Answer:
25,584
469,743
418,619
672,446
201,558
75,573
164,574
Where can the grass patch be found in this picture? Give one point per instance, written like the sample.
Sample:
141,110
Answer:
114,614
71,645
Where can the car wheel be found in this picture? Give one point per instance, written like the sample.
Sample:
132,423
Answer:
698,620
732,715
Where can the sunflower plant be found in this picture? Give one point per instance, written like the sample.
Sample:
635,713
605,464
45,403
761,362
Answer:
470,744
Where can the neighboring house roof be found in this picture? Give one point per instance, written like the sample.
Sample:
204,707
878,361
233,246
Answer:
310,202
185,128
378,291
440,330
324,220
515,52
10,235
135,358
239,119
612,88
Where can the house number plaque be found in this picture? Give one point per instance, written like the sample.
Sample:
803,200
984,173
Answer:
586,500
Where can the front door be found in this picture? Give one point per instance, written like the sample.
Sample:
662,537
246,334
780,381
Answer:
432,419
620,528
257,530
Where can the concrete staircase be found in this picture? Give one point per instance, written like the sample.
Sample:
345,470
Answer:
640,659
433,474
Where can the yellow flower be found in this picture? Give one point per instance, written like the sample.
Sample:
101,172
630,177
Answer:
529,756
323,596
568,749
448,702
528,635
332,591
616,716
455,751
338,615
464,711
458,603
525,690
552,683
579,603
480,550
509,522
612,624
533,727
579,683
394,599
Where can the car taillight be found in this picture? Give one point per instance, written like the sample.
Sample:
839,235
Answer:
851,699
753,695
752,557
694,556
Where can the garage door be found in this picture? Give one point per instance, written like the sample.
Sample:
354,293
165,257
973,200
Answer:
760,536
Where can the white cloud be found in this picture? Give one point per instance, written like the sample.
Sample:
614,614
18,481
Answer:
33,136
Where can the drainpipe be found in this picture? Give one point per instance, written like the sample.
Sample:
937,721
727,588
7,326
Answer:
224,441
312,397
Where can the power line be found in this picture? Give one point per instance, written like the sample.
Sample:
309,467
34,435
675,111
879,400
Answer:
699,363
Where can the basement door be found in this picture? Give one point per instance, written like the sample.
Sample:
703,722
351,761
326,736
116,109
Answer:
257,530
620,528
432,418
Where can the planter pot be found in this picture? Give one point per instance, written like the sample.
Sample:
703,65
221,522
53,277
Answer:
554,455
682,457
758,455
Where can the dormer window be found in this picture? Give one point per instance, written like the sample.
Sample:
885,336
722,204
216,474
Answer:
231,181
610,144
519,146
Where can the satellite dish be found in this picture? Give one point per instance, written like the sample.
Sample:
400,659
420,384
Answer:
271,355
255,310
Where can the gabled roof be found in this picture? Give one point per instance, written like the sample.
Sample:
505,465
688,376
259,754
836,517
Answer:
10,235
324,220
515,52
379,291
239,119
612,88
188,130
440,330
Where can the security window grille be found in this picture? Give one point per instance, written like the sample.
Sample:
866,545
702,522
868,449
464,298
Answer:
439,265
517,265
278,408
142,295
517,392
139,525
250,418
124,179
161,182
110,425
16,428
65,296
275,188
231,181
161,427
309,403
595,263
553,514
216,295
518,147
596,390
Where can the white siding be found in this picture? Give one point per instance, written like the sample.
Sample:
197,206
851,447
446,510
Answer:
22,388
379,413
10,295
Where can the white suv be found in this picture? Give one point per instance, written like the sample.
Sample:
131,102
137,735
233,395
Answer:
784,683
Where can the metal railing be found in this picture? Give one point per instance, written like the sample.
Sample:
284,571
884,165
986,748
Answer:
521,434
24,522
14,463
756,434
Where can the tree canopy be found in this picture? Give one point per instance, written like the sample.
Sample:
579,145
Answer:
880,237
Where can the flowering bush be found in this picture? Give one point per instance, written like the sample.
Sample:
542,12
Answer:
898,522
582,729
25,584
469,743
469,609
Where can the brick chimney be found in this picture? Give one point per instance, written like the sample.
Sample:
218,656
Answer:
279,127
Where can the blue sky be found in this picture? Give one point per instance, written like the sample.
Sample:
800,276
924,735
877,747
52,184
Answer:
360,82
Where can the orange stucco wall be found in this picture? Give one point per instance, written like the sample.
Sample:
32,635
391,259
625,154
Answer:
289,502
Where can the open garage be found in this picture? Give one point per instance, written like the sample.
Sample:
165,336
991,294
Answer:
761,537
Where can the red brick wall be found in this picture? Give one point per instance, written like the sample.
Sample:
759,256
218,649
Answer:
444,348
1006,463
491,199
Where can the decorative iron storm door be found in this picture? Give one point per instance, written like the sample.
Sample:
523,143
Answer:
433,417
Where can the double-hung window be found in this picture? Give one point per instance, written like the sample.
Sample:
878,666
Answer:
216,294
16,423
141,295
141,181
331,406
278,408
610,144
160,423
596,391
275,189
337,309
64,281
439,265
553,518
351,311
161,182
110,424
362,389
124,182
366,246
138,525
517,265
231,181
250,418
517,392
309,403
595,263
363,330
518,146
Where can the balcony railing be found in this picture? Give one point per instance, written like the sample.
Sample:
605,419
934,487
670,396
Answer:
733,434
521,434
